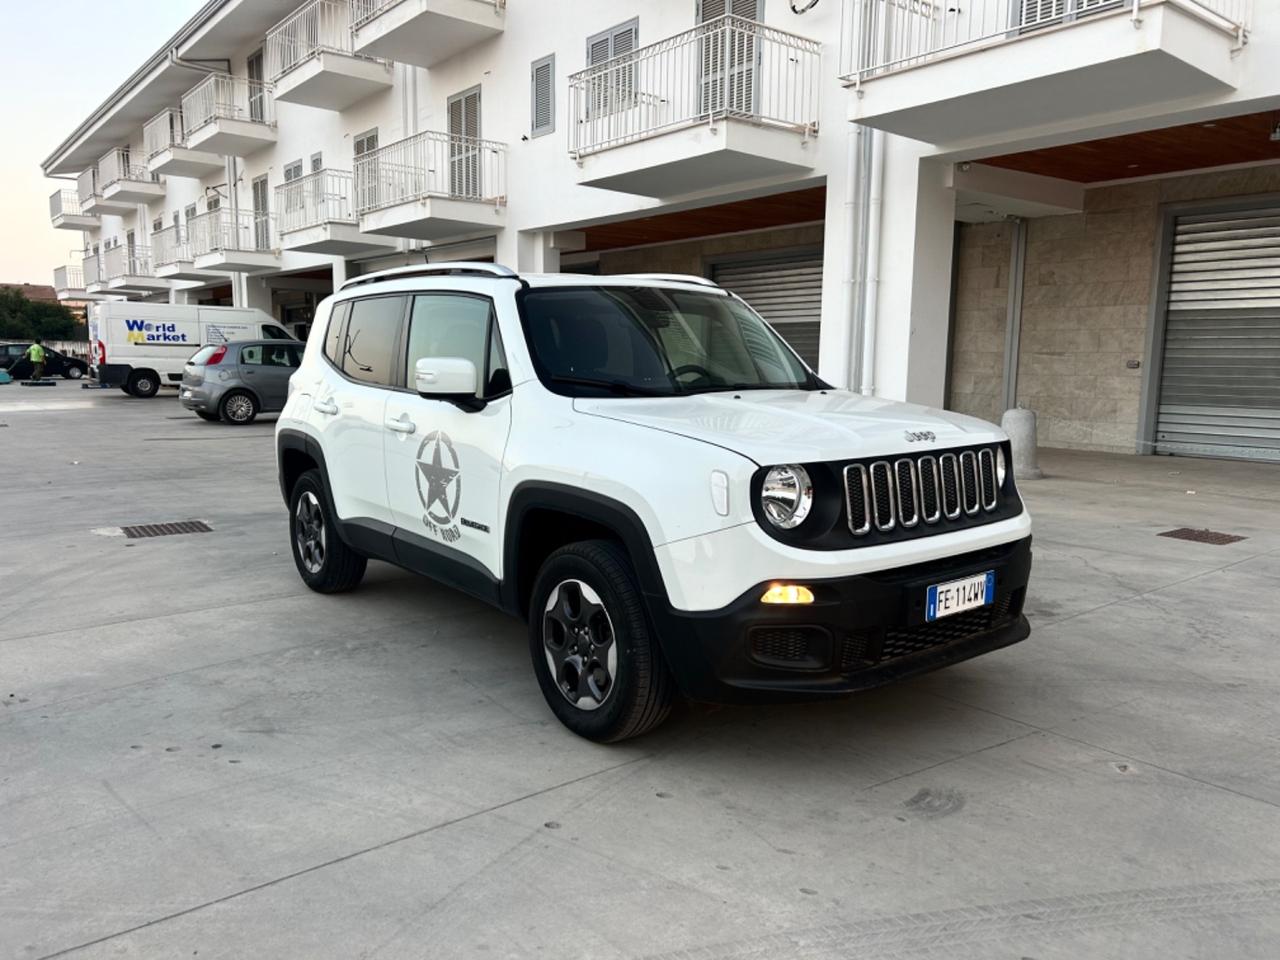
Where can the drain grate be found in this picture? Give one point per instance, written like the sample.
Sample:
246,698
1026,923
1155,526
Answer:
166,529
1202,536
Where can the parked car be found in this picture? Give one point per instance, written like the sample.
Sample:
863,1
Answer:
641,468
56,363
234,382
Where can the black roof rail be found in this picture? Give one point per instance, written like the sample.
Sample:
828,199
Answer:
459,268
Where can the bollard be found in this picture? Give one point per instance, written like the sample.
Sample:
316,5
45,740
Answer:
1020,425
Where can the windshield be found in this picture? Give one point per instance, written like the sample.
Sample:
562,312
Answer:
651,341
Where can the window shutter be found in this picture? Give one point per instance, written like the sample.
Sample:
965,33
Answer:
598,50
471,113
543,96
624,40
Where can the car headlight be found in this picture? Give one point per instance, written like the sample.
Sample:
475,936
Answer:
1001,469
787,496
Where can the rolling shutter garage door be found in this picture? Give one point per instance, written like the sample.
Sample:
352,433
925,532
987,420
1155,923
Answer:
1220,379
786,291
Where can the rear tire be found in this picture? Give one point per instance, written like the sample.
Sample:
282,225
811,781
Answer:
596,659
143,384
72,373
239,408
325,563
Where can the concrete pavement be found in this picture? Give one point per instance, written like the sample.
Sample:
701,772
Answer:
200,757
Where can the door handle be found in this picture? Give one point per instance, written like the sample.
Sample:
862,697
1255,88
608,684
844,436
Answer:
327,407
401,426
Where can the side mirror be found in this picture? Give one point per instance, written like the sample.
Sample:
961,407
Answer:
446,378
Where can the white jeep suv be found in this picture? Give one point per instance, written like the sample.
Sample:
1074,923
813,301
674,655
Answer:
644,471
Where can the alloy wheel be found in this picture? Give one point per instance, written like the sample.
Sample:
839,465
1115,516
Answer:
239,408
579,644
309,532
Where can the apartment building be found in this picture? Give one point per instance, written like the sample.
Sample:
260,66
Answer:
1070,205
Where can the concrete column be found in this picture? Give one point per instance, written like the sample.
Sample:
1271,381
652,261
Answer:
256,294
339,273
837,346
915,276
180,296
532,251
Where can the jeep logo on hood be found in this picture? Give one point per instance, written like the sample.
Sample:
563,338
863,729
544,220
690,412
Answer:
914,435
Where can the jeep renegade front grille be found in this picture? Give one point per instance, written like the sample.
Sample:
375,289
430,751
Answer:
904,492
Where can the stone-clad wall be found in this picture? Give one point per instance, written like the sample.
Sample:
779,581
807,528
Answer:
1086,304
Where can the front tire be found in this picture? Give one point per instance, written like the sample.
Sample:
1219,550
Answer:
325,563
597,662
143,384
239,408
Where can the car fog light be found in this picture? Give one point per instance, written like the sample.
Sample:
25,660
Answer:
1001,469
786,496
789,593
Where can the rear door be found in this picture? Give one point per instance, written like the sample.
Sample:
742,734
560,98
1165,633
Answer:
266,368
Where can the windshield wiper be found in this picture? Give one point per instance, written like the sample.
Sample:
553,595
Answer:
737,387
620,387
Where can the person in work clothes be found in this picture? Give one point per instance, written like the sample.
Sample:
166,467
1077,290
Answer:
35,353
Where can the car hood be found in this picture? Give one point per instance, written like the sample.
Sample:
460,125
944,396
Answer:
798,426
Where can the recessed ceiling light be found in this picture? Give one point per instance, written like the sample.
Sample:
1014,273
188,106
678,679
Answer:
1133,166
1208,124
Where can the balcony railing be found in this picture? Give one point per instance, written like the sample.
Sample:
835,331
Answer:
87,187
322,26
431,165
91,268
889,35
727,68
70,277
323,197
170,246
221,96
222,230
64,203
117,165
163,132
126,261
362,11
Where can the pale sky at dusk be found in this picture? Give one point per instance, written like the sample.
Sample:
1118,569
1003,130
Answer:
62,59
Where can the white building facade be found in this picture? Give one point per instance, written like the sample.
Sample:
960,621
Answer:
1072,206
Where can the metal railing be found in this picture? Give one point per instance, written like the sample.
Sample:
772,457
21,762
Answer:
64,203
362,11
321,26
117,165
69,277
883,36
125,261
169,246
163,132
322,197
91,269
431,164
221,96
87,187
222,230
726,68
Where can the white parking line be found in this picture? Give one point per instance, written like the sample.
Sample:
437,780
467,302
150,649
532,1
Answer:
52,406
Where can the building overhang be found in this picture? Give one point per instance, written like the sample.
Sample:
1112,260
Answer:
237,261
333,81
133,192
231,138
434,218
424,32
335,239
182,162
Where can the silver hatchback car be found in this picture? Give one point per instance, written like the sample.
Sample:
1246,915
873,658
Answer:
234,382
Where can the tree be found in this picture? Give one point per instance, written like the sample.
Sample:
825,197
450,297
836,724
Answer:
21,319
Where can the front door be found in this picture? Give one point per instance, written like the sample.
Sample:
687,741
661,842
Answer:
257,89
261,215
464,150
444,464
728,57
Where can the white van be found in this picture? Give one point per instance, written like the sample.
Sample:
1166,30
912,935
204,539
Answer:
139,347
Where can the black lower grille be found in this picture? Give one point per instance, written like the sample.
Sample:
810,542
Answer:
800,648
869,647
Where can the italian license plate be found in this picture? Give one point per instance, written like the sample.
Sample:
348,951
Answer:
957,596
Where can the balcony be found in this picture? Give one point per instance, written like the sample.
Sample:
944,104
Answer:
92,203
68,282
130,270
311,61
164,140
432,186
947,73
65,212
91,271
423,32
729,101
173,258
318,215
229,116
225,242
120,180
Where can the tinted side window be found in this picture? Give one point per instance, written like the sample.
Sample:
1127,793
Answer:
333,336
369,344
278,355
449,325
251,355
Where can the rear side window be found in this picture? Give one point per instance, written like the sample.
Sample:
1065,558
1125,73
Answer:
201,356
251,355
333,336
369,342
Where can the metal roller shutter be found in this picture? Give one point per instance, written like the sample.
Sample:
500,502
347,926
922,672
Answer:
786,291
1220,377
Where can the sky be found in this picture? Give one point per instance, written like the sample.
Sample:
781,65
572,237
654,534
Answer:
63,58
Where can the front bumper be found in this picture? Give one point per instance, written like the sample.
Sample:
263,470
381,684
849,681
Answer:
862,631
110,374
